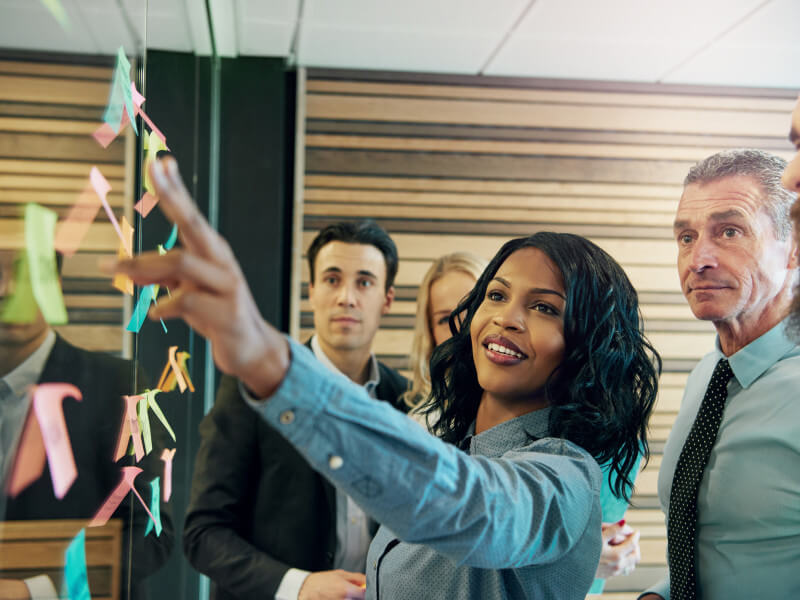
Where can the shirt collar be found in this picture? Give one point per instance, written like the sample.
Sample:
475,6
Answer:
374,378
30,370
517,432
750,362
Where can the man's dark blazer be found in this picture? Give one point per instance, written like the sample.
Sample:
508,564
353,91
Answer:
257,507
93,425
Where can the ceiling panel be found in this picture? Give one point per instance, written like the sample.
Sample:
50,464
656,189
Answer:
762,51
265,28
615,39
28,25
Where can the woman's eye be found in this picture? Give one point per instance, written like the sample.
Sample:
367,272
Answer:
494,296
544,308
443,320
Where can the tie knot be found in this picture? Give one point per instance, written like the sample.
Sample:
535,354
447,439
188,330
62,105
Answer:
722,372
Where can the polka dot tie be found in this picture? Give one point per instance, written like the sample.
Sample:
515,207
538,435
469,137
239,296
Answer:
682,521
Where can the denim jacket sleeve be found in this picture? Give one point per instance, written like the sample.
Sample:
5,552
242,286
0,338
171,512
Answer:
529,506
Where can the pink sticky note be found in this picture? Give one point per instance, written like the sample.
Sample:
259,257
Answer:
47,399
104,135
71,231
130,429
30,458
102,187
146,204
117,496
167,455
138,100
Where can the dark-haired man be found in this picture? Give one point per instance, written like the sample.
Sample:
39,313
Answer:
262,523
729,481
32,353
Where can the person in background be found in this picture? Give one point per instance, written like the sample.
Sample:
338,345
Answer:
262,523
729,482
32,353
791,181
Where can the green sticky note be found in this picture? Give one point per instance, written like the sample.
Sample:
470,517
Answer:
20,306
58,12
40,226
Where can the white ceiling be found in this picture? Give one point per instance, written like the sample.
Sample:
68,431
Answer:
721,42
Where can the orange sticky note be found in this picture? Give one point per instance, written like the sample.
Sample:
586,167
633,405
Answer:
71,231
117,496
146,204
30,458
130,430
173,373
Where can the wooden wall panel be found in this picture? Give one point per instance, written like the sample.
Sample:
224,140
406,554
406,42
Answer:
48,112
452,163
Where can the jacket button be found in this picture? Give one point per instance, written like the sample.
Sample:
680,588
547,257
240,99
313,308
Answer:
335,462
287,417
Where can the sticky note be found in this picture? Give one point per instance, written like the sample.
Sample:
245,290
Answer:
146,204
155,508
30,458
167,455
114,499
122,282
75,577
173,237
140,310
71,231
175,372
104,135
40,226
102,187
20,306
58,12
129,430
138,100
119,96
153,145
47,403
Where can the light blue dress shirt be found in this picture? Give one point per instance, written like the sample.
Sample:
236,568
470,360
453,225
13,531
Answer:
520,516
748,541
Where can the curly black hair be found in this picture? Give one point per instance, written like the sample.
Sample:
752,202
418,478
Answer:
602,393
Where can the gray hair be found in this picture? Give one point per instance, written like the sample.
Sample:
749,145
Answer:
763,167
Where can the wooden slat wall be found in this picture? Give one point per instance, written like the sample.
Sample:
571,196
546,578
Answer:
449,164
48,112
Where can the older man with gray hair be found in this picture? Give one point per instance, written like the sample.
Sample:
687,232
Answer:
729,482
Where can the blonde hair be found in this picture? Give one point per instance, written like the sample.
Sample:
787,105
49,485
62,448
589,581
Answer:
422,346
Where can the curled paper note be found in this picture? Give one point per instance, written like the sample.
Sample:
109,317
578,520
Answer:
146,404
146,204
76,579
30,458
140,310
116,497
71,231
20,306
175,372
119,95
47,403
122,282
40,225
102,187
155,508
130,430
167,455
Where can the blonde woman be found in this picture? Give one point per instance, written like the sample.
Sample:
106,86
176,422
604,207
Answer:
448,280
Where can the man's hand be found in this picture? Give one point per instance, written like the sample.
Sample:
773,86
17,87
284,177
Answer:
621,552
208,290
13,589
333,585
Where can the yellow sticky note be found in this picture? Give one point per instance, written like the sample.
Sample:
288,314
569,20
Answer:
153,144
20,306
40,225
122,282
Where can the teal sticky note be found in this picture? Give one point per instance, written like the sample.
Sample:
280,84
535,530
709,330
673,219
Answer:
140,310
173,237
120,96
40,227
155,507
75,578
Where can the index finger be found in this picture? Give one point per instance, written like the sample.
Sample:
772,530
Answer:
196,234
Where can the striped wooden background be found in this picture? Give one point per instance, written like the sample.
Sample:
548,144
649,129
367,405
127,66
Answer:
48,112
449,164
